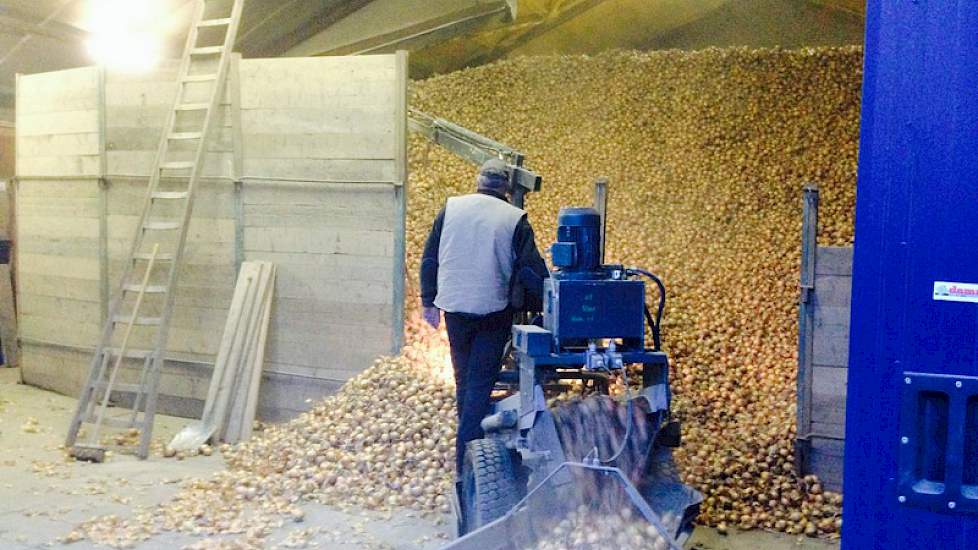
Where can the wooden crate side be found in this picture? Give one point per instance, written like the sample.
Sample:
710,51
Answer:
829,361
826,461
829,397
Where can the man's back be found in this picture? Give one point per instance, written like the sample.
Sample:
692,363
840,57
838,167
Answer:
475,255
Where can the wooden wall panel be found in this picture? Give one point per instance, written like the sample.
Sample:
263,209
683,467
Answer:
317,121
320,153
136,109
207,279
829,363
58,123
326,118
58,287
333,273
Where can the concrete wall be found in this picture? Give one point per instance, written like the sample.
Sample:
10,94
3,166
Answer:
314,187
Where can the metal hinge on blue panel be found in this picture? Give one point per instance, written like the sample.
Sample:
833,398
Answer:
938,459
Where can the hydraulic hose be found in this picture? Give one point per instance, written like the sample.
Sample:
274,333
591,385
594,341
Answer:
628,426
656,335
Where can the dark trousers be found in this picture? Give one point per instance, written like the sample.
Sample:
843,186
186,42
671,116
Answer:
477,344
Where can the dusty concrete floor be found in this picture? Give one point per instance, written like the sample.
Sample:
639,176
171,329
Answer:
42,496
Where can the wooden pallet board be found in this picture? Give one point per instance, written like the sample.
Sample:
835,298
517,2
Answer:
824,356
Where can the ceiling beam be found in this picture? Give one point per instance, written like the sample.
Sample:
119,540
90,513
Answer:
436,29
543,26
24,24
292,23
316,24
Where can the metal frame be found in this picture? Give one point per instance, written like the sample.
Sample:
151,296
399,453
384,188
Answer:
806,324
476,149
499,534
400,201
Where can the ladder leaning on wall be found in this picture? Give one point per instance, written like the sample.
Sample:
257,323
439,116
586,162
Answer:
150,272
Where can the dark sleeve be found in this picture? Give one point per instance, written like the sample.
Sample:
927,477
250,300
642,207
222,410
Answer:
529,267
429,262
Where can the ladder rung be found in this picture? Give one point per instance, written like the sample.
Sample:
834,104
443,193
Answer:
142,321
193,107
207,50
186,135
127,388
150,289
200,77
113,421
130,353
161,226
147,256
178,165
171,195
215,22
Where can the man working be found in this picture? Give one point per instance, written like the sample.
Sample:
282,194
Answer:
479,247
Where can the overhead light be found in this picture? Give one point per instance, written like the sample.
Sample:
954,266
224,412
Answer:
125,34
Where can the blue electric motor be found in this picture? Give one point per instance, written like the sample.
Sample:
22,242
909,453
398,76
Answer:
577,251
583,299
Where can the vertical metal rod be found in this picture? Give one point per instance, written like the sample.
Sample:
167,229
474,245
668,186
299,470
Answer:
806,325
239,226
601,205
400,200
103,199
233,87
103,248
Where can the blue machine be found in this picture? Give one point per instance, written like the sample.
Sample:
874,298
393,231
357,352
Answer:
584,299
594,323
911,457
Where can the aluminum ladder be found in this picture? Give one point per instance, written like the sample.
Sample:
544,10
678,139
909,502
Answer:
150,272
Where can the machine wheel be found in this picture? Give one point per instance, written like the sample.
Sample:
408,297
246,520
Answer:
490,486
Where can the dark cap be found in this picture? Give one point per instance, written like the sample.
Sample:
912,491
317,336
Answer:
494,176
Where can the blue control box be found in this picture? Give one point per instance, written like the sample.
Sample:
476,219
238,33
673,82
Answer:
583,308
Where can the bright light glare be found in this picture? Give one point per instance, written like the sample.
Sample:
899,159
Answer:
125,33
439,360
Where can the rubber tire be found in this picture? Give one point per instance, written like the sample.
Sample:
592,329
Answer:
490,485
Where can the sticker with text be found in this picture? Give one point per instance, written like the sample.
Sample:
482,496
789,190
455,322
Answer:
955,292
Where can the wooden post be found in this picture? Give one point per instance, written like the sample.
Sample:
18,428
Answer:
806,325
8,299
400,200
8,313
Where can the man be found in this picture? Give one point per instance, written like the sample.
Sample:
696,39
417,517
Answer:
479,247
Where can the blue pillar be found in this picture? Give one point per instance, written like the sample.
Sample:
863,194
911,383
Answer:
916,224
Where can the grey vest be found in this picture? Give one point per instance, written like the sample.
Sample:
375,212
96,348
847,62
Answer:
475,254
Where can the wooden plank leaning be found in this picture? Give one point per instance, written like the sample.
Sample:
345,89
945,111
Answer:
197,433
241,412
240,355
